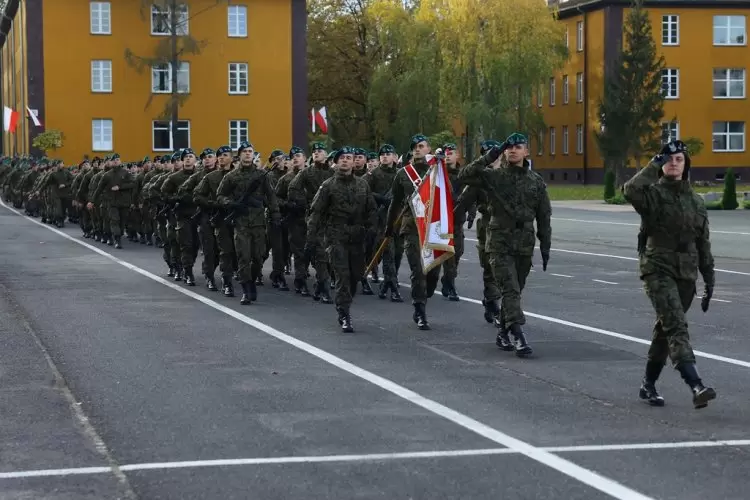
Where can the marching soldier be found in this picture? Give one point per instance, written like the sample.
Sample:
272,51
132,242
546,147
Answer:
115,191
277,243
517,196
344,211
293,223
674,246
181,202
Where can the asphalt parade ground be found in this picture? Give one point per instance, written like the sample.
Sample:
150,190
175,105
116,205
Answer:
117,382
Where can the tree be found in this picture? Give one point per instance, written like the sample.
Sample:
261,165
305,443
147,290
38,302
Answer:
632,107
169,17
694,146
729,198
49,140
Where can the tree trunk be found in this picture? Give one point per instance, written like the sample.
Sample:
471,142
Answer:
175,63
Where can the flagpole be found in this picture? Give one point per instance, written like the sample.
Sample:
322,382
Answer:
22,40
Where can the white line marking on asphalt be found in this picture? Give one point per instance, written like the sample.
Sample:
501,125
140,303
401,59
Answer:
637,225
582,474
608,333
561,275
721,300
606,282
609,256
373,457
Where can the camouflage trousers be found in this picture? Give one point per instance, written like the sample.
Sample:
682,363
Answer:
671,299
278,237
450,266
491,290
224,234
118,217
250,245
388,258
186,231
163,233
510,272
348,263
297,235
209,246
422,285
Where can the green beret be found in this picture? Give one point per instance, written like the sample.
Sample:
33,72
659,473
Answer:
516,138
316,146
386,148
417,139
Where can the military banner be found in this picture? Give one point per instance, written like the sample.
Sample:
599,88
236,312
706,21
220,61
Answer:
432,207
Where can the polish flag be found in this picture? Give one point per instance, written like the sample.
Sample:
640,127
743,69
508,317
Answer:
321,119
10,119
33,117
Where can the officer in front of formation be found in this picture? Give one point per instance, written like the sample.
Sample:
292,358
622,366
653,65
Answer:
674,246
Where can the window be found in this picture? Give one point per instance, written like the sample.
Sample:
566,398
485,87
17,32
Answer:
729,30
729,83
579,36
539,95
565,89
565,140
540,144
101,135
161,136
552,140
729,136
579,87
237,20
670,83
670,131
238,78
100,18
161,78
567,38
101,76
579,139
551,91
237,132
670,30
161,19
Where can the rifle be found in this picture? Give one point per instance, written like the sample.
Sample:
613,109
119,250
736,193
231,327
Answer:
246,198
384,244
163,212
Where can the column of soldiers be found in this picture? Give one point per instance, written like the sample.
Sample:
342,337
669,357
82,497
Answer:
331,213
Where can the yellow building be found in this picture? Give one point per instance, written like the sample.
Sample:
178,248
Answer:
65,60
704,44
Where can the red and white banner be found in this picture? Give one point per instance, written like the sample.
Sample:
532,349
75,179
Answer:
33,115
319,120
10,119
432,207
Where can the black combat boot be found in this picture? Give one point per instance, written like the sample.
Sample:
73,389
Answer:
366,289
245,300
648,386
375,277
346,322
316,291
158,242
226,285
259,280
522,347
253,290
211,283
303,290
178,273
118,242
325,293
110,240
395,294
491,310
383,291
701,394
420,317
282,284
236,276
452,293
170,274
149,241
142,239
189,278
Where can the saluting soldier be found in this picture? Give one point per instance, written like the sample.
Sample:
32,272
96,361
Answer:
675,246
344,211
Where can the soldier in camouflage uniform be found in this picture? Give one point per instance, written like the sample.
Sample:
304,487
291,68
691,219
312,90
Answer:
674,247
245,192
517,196
422,286
115,190
185,230
380,181
278,238
344,211
302,189
58,183
294,223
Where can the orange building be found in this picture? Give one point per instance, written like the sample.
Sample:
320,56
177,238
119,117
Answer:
65,61
704,44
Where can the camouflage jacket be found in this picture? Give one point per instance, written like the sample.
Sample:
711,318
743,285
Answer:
343,209
675,223
117,176
460,206
234,194
204,193
305,185
516,197
287,208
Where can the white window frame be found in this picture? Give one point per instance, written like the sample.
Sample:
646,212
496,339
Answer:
565,139
728,30
670,131
237,22
167,125
100,18
540,143
579,87
727,135
552,91
579,139
565,89
727,80
235,72
579,36
540,95
101,76
104,128
184,69
183,20
552,140
567,38
667,75
670,27
236,127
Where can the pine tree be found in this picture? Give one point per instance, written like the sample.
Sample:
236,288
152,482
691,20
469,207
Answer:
632,107
609,185
729,199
